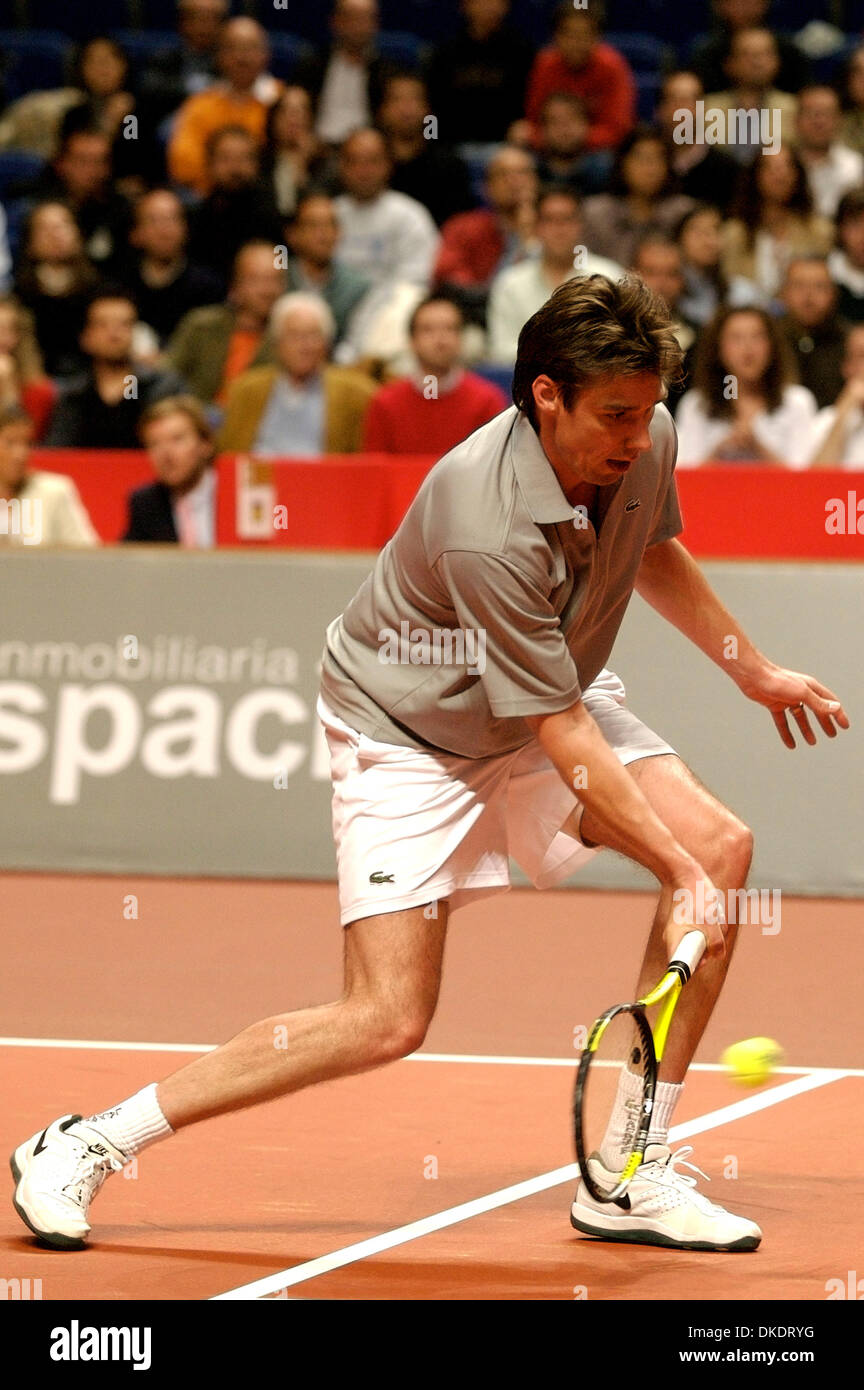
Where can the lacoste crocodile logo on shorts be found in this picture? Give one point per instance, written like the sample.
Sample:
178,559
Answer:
633,504
378,877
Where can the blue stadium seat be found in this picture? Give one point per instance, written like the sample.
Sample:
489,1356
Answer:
287,51
399,47
141,46
647,95
430,20
499,376
673,24
307,21
643,52
15,167
34,62
81,19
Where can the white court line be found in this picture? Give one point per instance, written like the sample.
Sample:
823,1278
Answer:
474,1059
349,1254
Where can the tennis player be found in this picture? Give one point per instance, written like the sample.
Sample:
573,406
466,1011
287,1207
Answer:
470,716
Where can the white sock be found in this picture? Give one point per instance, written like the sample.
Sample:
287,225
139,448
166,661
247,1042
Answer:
624,1121
665,1099
135,1123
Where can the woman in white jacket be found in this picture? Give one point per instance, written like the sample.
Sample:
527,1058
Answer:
744,406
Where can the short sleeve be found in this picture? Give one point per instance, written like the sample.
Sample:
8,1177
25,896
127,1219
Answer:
527,666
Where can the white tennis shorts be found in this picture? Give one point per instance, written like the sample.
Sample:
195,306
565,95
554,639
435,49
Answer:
412,826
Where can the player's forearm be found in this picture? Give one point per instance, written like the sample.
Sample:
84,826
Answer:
671,581
574,744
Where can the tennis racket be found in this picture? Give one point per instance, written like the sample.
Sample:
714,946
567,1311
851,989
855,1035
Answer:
620,1059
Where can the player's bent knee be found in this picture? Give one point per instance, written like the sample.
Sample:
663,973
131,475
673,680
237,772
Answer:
729,848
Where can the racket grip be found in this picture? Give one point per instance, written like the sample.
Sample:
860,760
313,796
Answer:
689,951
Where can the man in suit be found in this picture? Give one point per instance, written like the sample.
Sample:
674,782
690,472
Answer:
301,406
180,507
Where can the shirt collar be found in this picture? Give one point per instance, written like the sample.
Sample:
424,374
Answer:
535,475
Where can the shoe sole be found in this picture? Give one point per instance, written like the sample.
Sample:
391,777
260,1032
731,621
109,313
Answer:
646,1237
56,1239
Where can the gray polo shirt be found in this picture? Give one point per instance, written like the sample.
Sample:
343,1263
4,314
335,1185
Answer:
492,601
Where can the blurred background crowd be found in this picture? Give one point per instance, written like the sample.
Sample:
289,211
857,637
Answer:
295,229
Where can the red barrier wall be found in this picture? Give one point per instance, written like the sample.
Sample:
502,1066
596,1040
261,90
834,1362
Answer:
355,502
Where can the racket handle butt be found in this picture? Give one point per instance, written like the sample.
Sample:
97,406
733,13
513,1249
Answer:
689,952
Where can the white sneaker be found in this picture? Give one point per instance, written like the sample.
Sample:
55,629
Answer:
661,1207
57,1175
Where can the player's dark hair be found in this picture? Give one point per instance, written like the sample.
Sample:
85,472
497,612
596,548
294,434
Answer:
710,375
590,328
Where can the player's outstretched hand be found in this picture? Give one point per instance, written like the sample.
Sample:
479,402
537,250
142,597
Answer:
789,695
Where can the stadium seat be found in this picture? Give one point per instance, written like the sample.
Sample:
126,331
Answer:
34,62
141,46
647,95
643,52
81,19
287,51
16,166
498,375
401,48
431,20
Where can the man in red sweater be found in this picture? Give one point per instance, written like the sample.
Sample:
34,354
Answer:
576,61
433,410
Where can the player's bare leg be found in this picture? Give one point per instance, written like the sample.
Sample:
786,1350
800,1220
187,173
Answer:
723,846
392,978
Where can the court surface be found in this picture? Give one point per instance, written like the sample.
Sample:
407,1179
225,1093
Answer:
447,1176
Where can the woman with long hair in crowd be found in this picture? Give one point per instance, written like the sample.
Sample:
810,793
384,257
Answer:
744,405
293,155
771,220
706,285
642,199
54,280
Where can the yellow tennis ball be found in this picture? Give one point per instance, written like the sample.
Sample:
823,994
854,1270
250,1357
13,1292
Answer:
753,1061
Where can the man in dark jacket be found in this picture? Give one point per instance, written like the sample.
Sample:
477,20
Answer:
101,409
181,506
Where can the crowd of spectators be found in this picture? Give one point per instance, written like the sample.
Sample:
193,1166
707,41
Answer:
199,253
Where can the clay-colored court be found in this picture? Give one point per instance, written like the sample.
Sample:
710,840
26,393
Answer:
446,1176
